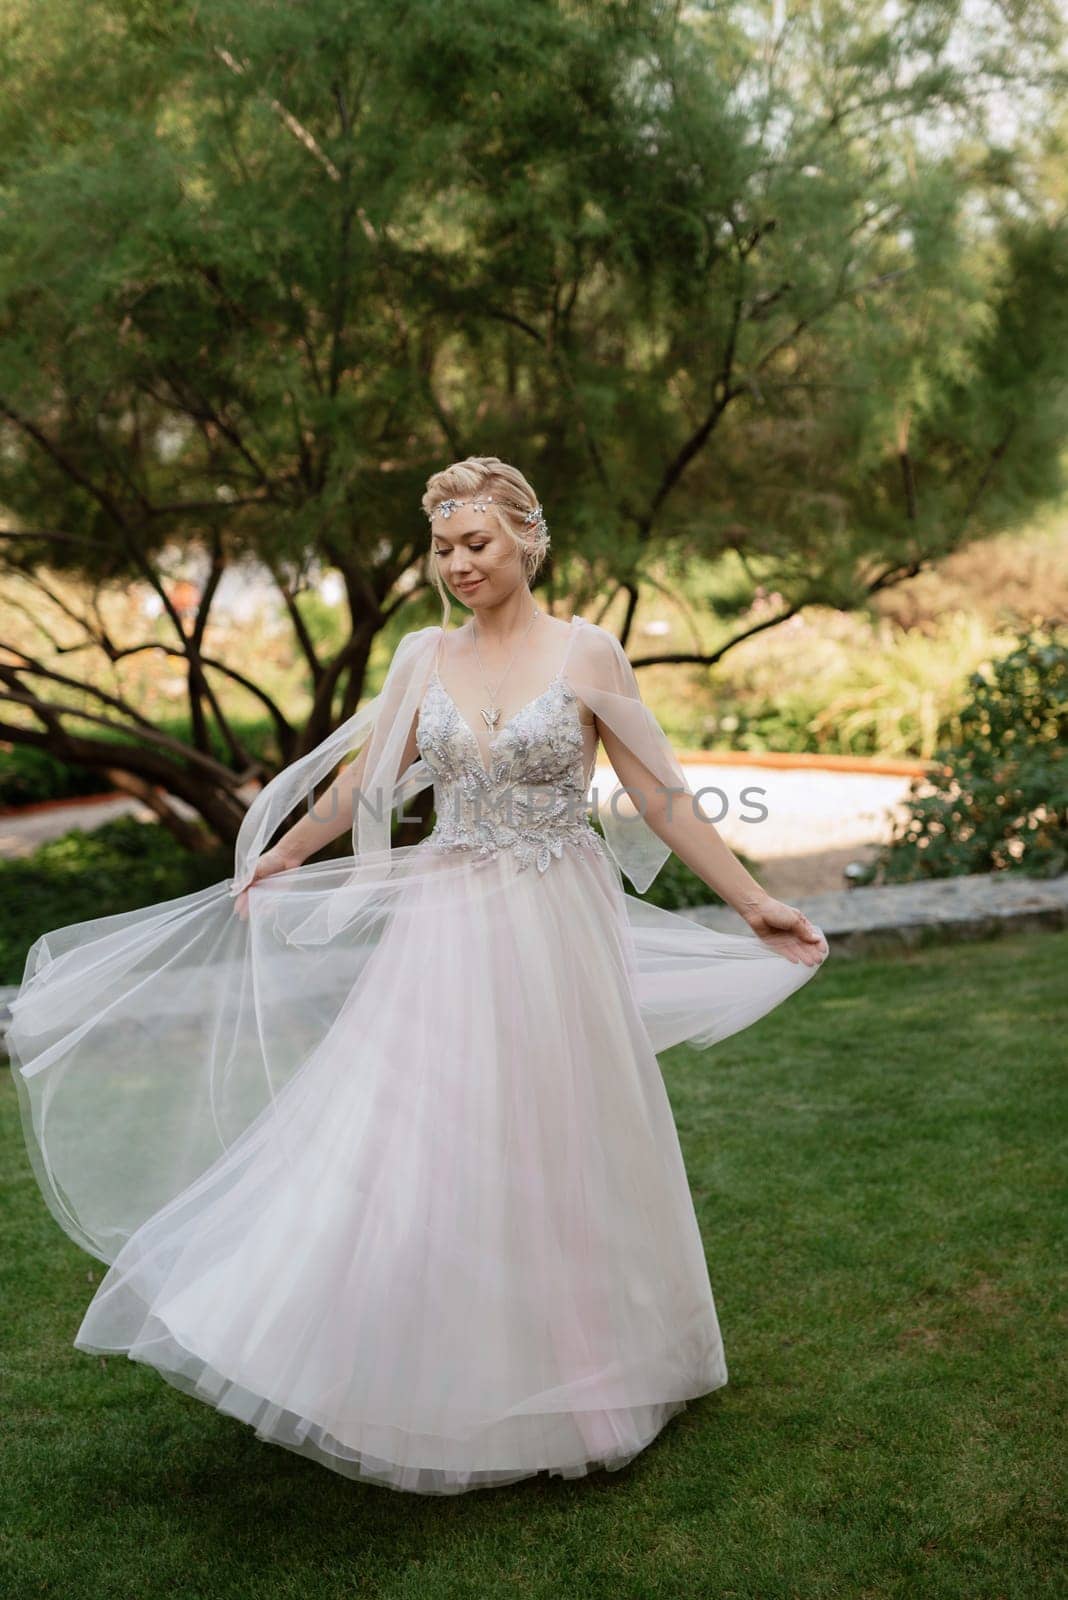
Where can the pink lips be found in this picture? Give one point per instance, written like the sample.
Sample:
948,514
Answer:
465,588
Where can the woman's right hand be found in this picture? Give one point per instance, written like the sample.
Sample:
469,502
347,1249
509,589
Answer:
271,861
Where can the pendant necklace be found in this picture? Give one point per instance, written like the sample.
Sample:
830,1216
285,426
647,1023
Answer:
491,713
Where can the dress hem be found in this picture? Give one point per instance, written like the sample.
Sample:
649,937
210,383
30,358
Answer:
273,1424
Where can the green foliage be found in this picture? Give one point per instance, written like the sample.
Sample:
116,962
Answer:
999,801
119,866
324,623
265,267
28,775
851,685
258,735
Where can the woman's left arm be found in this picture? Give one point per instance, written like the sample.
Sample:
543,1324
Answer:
697,842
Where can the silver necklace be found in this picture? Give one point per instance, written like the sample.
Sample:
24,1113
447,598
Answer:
491,713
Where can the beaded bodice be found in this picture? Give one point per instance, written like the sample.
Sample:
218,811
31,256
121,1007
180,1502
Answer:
530,800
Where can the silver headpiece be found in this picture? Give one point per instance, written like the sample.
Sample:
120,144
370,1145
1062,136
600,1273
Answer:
535,518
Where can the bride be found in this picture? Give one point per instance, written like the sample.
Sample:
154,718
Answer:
376,1149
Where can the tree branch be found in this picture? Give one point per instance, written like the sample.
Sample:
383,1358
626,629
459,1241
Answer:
286,730
50,712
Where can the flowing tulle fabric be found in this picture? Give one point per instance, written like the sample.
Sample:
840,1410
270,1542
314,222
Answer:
388,1171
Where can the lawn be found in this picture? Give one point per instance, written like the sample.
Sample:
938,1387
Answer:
878,1174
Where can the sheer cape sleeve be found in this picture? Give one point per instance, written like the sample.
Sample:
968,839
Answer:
382,725
604,679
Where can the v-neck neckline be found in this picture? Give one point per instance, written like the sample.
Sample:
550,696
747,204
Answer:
557,677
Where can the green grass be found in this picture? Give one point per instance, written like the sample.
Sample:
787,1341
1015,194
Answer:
875,1168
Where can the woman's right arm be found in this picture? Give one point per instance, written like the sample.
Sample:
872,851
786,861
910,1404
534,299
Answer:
325,818
331,815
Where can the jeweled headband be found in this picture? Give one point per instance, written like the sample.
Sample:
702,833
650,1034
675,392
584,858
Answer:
533,519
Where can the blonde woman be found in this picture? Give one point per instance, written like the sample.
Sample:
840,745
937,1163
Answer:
376,1150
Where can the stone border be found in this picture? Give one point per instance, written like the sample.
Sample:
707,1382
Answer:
875,919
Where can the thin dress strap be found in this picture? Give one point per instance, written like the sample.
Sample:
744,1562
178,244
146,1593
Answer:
576,623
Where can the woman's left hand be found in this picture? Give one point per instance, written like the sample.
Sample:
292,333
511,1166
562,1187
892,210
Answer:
786,930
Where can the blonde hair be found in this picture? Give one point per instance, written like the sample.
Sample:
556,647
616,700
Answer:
512,499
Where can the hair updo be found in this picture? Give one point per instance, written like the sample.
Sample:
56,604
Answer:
513,499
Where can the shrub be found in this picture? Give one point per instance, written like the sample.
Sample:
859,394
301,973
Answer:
28,775
998,799
119,866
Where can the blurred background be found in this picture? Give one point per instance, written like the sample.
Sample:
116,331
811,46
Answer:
769,302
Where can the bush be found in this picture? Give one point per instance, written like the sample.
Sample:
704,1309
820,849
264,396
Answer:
998,801
28,775
119,866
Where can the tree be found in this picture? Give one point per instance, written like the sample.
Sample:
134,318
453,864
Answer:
718,283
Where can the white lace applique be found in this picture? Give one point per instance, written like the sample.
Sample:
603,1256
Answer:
531,800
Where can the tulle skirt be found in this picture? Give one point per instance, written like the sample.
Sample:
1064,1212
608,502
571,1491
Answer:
389,1172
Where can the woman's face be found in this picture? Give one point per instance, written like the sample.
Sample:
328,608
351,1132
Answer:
478,563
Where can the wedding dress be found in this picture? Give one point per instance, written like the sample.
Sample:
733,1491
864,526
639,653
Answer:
388,1170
